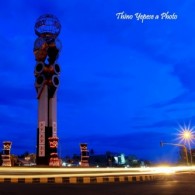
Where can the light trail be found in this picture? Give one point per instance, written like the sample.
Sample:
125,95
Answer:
37,172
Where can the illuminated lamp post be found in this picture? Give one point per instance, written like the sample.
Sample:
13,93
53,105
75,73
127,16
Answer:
180,145
186,134
6,154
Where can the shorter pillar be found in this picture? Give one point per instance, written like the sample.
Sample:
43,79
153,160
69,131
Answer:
6,154
53,144
84,155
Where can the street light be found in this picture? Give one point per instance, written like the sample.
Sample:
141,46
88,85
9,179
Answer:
186,134
180,145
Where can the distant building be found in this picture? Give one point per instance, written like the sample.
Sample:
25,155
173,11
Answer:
119,159
23,162
109,159
98,160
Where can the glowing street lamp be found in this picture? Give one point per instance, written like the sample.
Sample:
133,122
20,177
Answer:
186,135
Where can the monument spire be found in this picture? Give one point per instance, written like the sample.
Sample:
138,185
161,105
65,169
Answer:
46,50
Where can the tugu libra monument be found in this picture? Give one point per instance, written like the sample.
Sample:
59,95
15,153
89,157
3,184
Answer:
46,50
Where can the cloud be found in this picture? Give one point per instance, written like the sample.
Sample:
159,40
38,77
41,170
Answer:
185,72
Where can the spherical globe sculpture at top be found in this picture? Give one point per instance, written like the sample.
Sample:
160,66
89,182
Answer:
47,25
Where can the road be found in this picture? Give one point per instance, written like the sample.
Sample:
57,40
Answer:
177,184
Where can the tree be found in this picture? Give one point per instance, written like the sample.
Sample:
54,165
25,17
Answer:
23,155
91,152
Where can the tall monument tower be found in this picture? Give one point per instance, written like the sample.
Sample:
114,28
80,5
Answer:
46,51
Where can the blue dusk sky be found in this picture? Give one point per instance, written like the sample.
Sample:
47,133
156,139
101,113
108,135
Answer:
125,84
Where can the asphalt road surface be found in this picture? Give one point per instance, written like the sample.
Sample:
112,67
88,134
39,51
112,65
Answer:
177,184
